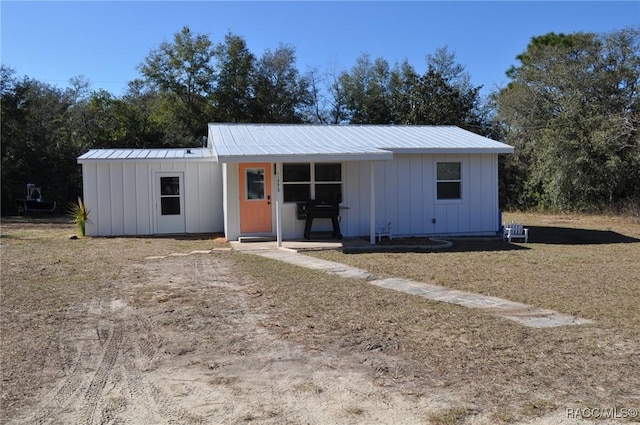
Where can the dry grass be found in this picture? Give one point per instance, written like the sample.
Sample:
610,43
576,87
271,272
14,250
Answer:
451,416
409,342
582,265
494,367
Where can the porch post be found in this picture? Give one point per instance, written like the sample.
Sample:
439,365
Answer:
372,206
279,201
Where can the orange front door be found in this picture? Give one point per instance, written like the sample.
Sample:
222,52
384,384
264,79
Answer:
255,198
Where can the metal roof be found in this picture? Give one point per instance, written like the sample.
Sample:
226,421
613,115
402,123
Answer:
305,143
290,143
190,154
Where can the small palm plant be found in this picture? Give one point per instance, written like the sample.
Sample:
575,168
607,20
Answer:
80,215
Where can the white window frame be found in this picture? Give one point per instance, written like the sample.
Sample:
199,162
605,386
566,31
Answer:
460,181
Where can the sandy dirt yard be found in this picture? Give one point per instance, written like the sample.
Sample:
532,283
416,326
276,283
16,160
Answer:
185,339
185,343
180,340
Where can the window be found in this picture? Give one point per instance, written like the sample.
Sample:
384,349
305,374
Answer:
296,179
328,172
319,181
170,195
328,179
449,180
255,183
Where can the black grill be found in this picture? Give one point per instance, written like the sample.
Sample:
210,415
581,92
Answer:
311,210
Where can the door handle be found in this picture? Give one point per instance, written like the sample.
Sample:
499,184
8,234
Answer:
268,199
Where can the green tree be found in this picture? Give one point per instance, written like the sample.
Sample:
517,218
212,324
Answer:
183,73
436,102
572,112
236,66
444,62
280,92
40,142
477,111
374,93
366,92
127,122
403,85
143,127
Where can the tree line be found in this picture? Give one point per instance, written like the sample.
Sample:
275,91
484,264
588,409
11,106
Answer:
571,110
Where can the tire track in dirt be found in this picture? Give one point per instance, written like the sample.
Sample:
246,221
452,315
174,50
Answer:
117,348
64,395
147,343
74,353
109,356
113,407
141,348
82,402
202,355
172,410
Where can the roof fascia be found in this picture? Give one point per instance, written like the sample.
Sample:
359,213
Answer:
235,159
132,160
496,150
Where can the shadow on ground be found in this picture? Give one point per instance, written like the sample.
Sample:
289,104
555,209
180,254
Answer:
36,218
537,234
459,245
64,221
570,236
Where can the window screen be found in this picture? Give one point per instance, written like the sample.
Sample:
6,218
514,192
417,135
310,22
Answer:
255,183
449,180
170,195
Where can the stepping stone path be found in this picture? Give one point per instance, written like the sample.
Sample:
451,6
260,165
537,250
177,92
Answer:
524,314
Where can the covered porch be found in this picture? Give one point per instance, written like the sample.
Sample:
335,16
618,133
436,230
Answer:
420,180
263,200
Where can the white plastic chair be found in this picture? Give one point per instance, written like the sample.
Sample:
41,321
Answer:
515,231
384,230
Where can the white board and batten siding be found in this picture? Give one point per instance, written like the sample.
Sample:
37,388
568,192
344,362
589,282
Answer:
231,200
405,196
120,192
404,161
123,187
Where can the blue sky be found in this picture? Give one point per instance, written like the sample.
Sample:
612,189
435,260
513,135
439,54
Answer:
105,41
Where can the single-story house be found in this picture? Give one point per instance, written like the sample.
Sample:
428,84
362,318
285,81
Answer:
249,179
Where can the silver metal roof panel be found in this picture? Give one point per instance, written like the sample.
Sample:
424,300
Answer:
304,143
274,142
197,154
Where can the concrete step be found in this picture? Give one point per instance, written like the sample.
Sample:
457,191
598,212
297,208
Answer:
249,239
